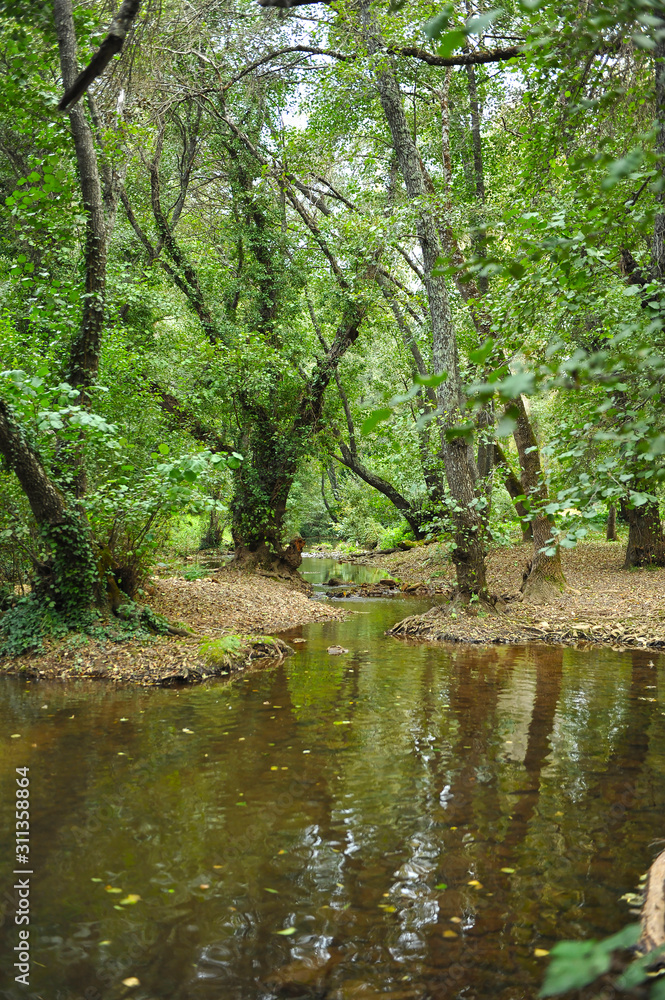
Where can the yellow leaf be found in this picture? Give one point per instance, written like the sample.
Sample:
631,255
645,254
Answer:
130,899
475,883
540,952
449,934
132,981
109,888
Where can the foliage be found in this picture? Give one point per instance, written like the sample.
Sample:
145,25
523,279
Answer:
576,964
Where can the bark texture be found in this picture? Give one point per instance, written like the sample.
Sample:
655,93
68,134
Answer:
646,544
69,573
515,491
545,578
85,350
611,533
468,554
113,43
653,909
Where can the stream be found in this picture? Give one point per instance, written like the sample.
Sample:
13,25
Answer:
405,821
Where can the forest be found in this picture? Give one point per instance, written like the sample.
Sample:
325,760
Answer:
314,307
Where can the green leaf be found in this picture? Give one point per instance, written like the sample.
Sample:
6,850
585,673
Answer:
164,449
574,965
287,931
436,26
480,356
476,25
374,419
430,381
450,41
517,270
441,885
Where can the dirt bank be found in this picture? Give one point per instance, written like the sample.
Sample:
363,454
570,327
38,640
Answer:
603,603
246,605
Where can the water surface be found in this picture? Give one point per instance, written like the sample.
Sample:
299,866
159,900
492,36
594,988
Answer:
368,801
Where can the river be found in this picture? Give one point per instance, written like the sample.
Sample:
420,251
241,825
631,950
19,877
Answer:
402,821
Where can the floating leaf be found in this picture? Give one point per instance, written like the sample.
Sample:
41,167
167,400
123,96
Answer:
188,731
450,934
441,885
130,899
287,931
540,952
109,888
270,890
132,981
508,871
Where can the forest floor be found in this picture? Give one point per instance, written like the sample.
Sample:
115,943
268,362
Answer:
602,604
223,604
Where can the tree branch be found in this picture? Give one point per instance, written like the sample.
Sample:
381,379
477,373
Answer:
113,43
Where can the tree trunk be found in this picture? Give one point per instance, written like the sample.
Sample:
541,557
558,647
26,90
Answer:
515,490
86,347
653,909
611,534
68,575
544,580
469,552
646,545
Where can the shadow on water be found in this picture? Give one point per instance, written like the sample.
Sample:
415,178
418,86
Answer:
418,819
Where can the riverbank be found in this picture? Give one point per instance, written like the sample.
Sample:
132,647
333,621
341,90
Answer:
603,603
225,604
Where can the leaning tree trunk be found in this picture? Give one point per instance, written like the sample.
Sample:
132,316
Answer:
515,491
545,579
646,544
67,574
469,552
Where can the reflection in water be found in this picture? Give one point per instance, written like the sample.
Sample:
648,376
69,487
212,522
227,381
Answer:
364,804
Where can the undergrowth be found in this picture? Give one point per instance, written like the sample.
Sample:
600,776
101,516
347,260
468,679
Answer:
25,627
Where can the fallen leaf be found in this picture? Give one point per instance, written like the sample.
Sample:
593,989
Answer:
287,931
540,952
508,871
109,888
130,899
132,981
449,934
